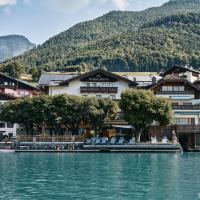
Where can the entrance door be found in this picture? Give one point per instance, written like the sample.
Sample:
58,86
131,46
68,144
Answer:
184,142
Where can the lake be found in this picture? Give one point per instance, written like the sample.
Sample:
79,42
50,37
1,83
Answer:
39,176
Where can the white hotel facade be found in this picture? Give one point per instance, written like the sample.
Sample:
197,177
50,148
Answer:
98,83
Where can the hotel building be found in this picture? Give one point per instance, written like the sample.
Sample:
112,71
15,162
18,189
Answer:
11,89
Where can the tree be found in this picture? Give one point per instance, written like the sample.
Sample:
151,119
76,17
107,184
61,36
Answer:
36,73
100,110
12,69
141,108
19,111
58,111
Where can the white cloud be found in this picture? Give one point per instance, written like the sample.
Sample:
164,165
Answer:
68,5
121,4
7,2
72,6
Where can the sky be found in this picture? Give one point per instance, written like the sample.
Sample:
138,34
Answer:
40,20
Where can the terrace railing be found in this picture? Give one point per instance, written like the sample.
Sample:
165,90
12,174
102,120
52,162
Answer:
175,92
186,107
112,90
178,128
50,139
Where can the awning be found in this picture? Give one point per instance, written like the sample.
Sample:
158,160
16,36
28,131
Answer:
123,126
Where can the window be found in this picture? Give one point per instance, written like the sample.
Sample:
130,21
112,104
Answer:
23,92
112,96
173,88
5,83
87,84
94,85
109,84
98,96
184,121
85,95
10,125
2,125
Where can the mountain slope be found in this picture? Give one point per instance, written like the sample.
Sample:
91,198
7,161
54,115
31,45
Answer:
120,40
13,45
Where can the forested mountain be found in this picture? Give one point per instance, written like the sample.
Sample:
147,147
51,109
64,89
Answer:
126,41
13,45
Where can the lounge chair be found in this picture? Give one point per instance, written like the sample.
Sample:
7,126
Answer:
88,142
93,139
104,140
121,141
154,140
164,140
113,141
98,141
131,141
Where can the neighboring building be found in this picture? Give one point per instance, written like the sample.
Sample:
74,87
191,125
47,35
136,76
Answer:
11,89
184,72
143,80
98,83
16,87
7,130
180,85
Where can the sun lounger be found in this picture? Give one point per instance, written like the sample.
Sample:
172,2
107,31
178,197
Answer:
121,141
154,140
164,140
112,141
93,139
104,140
88,141
131,141
98,141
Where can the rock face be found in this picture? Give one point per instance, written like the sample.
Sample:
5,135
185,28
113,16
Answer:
13,45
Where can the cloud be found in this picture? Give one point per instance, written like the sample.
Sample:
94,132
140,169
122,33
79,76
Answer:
7,2
121,4
72,6
68,5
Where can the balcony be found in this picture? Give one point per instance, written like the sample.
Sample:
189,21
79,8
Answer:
109,90
175,93
186,107
180,129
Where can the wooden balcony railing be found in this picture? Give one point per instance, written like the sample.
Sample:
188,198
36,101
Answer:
177,128
112,90
188,128
186,107
175,92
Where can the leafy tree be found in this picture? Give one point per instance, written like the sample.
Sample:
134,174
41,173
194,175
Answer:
36,73
141,108
58,111
12,69
125,41
99,110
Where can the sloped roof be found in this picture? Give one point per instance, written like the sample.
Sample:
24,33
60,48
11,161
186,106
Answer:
23,83
179,69
174,78
91,73
50,79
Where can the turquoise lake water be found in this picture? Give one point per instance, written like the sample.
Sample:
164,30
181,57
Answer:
99,176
